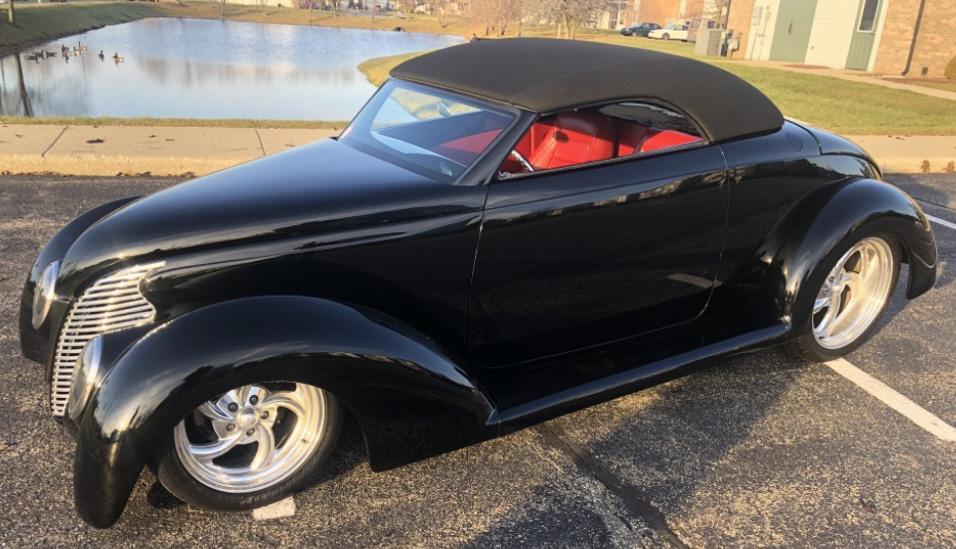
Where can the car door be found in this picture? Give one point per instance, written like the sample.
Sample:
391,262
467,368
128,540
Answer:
588,254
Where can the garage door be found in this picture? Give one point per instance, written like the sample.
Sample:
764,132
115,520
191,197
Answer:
832,33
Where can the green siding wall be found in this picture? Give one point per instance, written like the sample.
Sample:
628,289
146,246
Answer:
791,35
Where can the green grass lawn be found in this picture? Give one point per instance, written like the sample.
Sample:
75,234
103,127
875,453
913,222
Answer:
850,108
40,22
376,69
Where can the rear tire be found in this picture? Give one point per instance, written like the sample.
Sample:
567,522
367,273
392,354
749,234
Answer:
266,442
666,37
853,285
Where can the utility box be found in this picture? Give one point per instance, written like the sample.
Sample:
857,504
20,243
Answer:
709,42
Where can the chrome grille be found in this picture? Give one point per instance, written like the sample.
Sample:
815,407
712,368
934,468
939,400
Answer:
112,303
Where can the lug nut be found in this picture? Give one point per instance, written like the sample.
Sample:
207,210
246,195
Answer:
231,427
265,415
250,432
233,406
254,399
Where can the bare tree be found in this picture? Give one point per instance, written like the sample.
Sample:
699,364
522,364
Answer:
722,8
496,15
438,8
407,7
11,16
569,15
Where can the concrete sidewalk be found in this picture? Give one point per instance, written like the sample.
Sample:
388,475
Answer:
910,154
130,150
177,151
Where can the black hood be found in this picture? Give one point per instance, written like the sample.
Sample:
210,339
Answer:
322,187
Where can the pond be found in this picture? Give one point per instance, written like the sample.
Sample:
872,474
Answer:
196,68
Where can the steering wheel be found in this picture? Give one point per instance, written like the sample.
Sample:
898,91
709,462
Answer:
521,160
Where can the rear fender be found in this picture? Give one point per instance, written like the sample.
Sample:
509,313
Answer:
819,222
410,399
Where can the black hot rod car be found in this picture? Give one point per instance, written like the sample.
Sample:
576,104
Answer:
495,239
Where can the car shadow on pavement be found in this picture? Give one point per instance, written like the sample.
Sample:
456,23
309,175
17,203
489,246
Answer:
652,450
918,189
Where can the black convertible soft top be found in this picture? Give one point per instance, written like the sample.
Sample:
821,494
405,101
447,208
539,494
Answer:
545,76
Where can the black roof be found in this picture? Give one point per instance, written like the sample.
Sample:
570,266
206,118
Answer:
545,76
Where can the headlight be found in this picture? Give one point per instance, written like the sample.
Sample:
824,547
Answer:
45,293
85,376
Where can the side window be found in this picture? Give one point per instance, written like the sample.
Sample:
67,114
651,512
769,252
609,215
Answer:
585,136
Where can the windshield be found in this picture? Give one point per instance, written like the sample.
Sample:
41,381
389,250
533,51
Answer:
430,131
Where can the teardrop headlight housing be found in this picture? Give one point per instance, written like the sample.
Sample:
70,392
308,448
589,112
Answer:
45,293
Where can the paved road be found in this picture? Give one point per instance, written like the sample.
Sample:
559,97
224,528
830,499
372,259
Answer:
758,450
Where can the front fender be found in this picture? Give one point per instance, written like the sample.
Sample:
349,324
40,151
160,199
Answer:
816,225
411,400
35,344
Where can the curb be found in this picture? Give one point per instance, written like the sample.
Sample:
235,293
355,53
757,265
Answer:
910,154
96,165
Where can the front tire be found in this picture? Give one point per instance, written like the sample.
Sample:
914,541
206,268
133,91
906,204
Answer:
861,275
251,446
666,37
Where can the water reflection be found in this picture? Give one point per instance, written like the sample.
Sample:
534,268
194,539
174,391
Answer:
202,69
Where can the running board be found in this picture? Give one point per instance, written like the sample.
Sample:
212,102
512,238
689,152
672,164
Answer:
629,380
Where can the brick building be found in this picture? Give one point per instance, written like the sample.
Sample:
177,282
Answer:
893,37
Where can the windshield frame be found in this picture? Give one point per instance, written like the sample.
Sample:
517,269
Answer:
362,121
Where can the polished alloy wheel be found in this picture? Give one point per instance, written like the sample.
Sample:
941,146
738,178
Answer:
252,437
854,293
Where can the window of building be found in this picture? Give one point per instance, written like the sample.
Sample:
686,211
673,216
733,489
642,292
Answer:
868,16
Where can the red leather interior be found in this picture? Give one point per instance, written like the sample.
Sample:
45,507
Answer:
575,138
629,137
580,137
467,148
662,139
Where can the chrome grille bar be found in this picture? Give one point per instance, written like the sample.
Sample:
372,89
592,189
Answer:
112,303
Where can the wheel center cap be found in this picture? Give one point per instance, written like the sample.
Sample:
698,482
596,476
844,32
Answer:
247,418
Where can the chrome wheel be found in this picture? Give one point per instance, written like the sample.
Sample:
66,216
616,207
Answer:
252,437
854,293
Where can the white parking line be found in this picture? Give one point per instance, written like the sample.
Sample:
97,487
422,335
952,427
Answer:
909,409
282,508
942,222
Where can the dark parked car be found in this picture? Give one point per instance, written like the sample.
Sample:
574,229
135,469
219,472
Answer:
639,29
492,241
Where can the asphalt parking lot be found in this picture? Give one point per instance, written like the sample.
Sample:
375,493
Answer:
757,450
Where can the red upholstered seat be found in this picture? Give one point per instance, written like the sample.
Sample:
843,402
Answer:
630,135
662,139
466,149
575,138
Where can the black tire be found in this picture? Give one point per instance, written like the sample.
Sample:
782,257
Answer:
805,345
174,477
666,36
